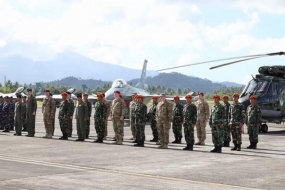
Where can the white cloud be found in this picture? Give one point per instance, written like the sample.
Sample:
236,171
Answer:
2,43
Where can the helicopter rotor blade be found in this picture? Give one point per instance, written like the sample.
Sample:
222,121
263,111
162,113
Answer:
249,57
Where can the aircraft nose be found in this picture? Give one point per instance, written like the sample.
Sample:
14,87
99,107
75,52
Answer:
109,95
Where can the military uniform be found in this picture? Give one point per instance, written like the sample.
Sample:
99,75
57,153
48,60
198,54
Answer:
177,122
217,119
253,121
12,113
163,118
71,102
31,108
24,105
107,116
100,116
202,118
227,129
48,109
152,118
64,114
87,122
53,121
140,113
1,114
18,118
237,117
81,115
189,118
118,110
6,115
132,119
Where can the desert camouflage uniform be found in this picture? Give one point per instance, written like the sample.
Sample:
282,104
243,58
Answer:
152,119
237,117
189,118
253,121
140,113
48,108
217,119
177,121
118,110
87,122
202,118
100,116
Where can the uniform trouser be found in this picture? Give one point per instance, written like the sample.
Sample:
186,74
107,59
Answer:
133,128
48,125
163,131
253,133
236,133
189,134
69,125
106,129
201,130
87,127
118,128
140,131
80,126
6,123
25,122
154,128
53,122
177,129
100,127
12,122
217,135
31,123
227,134
63,125
18,125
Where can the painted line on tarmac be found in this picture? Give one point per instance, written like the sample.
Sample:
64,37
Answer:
83,168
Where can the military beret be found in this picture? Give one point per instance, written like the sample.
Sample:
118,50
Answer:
216,96
235,95
79,95
68,93
188,96
176,98
29,90
19,96
100,95
154,97
47,90
201,93
225,97
162,94
253,97
117,91
64,94
139,96
85,94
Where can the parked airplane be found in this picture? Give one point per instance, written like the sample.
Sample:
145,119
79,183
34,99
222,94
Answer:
20,90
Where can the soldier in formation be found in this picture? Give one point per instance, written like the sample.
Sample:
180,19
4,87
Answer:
81,116
64,116
189,122
72,106
18,116
151,116
132,117
108,106
140,114
48,109
24,104
202,118
7,114
100,117
53,121
227,130
89,106
31,113
177,120
12,108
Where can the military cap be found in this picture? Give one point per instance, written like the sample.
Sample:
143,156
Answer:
85,94
162,94
216,96
19,96
47,90
68,93
24,96
235,95
29,90
201,93
79,95
100,95
176,98
188,96
154,97
64,94
225,97
253,97
117,91
139,96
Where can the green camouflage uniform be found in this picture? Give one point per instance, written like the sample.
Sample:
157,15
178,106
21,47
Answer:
132,118
106,121
24,104
140,113
253,120
70,120
100,116
177,121
152,119
237,116
189,118
227,129
217,118
64,116
87,122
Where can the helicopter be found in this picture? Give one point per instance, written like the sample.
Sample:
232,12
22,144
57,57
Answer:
268,86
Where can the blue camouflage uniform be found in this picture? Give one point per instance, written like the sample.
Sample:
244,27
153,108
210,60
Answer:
11,111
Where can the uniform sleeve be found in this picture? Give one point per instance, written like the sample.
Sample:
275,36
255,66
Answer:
246,116
207,114
223,120
43,106
123,108
210,119
258,116
194,115
85,106
243,114
145,113
52,107
230,114
111,108
108,108
68,109
170,112
35,104
104,111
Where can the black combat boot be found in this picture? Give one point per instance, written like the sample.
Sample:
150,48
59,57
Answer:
191,147
224,143
138,142
176,140
215,149
97,140
187,147
238,147
100,140
235,148
250,146
142,142
254,145
219,150
156,139
87,136
65,136
227,144
179,140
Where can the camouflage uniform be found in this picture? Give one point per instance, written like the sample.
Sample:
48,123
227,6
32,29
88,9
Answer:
48,108
24,104
189,118
81,114
31,119
100,116
118,110
18,117
53,121
140,113
6,115
253,121
152,119
64,114
132,118
217,119
87,122
1,115
107,116
163,120
177,122
227,129
12,112
202,118
71,102
237,117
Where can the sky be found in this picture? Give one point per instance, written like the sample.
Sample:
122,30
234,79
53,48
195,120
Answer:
165,32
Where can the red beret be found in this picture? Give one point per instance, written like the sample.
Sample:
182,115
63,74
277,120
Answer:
253,97
188,96
117,91
236,95
201,93
100,95
176,97
64,94
216,96
225,97
85,94
47,90
154,97
139,96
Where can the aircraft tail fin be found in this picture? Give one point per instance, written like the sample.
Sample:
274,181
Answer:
142,84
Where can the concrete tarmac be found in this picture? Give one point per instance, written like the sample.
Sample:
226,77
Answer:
38,163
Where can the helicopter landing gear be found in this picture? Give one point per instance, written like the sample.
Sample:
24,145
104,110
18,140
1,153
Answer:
263,128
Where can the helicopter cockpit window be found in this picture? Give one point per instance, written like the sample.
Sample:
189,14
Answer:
262,86
256,87
119,83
